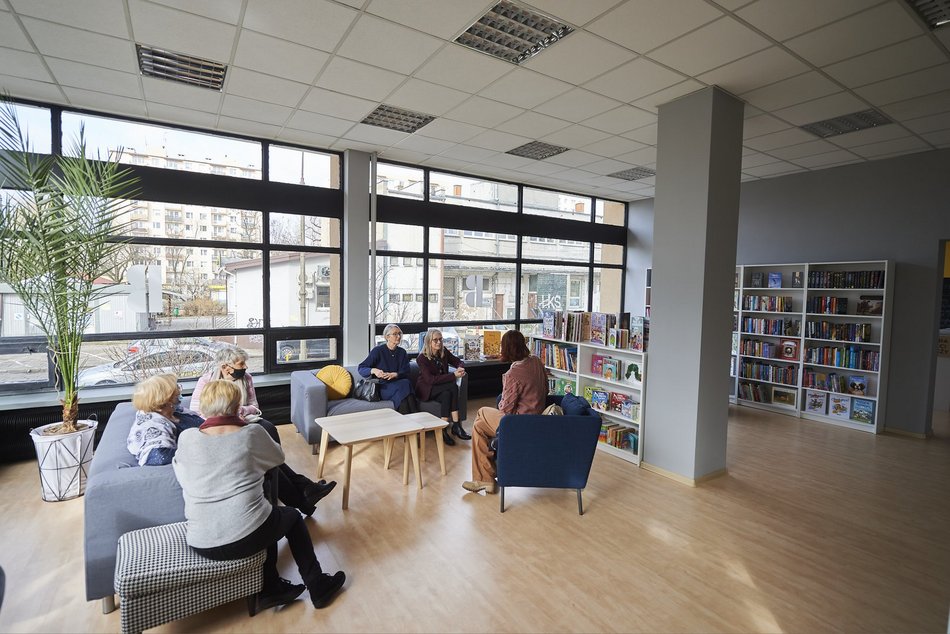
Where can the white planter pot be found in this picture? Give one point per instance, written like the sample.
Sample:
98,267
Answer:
64,460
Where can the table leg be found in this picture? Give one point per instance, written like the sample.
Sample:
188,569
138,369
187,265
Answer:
346,477
387,451
414,449
440,445
405,459
324,444
422,445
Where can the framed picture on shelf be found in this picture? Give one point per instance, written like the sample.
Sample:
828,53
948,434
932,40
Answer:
784,397
870,305
788,349
862,411
857,385
839,406
757,280
797,279
816,402
775,280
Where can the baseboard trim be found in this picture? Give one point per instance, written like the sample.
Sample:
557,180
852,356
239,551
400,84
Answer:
690,482
909,434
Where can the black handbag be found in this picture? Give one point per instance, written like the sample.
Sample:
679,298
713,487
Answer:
367,390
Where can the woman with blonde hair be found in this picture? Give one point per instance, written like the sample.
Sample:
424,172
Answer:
221,466
437,383
389,363
153,437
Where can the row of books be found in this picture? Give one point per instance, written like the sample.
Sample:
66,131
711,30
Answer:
846,279
619,436
616,330
757,279
777,327
754,392
846,357
827,305
787,375
616,402
555,356
561,386
615,369
833,382
784,350
859,410
634,338
838,331
772,303
484,346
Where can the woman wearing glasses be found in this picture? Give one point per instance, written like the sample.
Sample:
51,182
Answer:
437,383
390,363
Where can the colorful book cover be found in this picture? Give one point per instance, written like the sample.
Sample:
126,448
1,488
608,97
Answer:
816,402
616,401
598,328
631,372
862,411
600,400
547,323
612,337
870,305
473,348
597,364
610,369
857,385
775,280
797,279
588,393
491,340
839,406
627,409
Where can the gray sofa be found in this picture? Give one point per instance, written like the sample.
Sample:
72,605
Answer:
308,401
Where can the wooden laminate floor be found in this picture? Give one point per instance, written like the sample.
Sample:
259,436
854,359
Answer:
814,529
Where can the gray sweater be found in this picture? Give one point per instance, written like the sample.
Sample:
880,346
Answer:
222,478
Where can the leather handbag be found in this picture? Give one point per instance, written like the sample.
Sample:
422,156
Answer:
367,390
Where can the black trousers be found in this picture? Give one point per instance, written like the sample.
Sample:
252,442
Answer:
290,484
282,522
447,395
409,405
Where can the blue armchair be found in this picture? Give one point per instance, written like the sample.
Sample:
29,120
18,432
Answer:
554,452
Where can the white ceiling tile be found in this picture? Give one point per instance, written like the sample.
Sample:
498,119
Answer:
277,57
304,137
406,156
426,145
721,42
574,136
30,89
391,46
542,167
916,84
573,158
919,106
929,124
483,112
69,73
641,157
99,16
223,10
506,161
533,125
382,137
421,96
578,57
82,46
360,80
773,169
872,135
448,130
612,147
657,99
757,158
254,85
525,88
462,68
809,148
782,19
11,35
789,92
324,124
342,145
574,12
732,5
762,124
822,108
169,29
446,163
642,25
498,141
442,18
891,148
577,105
621,119
607,166
253,110
645,134
836,157
105,102
237,125
175,94
182,116
890,61
23,64
754,71
940,139
575,176
636,79
468,153
337,104
315,23
766,142
860,33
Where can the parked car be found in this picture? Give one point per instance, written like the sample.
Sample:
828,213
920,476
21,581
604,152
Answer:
156,345
186,359
288,351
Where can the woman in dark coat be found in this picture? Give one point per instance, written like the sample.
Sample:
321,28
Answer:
437,383
390,363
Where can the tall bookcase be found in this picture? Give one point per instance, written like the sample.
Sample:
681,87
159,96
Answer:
814,340
623,431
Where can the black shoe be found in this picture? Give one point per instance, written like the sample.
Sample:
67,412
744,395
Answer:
323,589
282,593
315,492
446,437
459,432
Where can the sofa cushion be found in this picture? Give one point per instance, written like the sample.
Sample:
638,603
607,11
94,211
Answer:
350,405
338,381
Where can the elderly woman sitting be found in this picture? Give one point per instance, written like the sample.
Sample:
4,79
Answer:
153,437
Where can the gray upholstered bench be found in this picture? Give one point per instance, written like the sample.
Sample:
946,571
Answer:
159,578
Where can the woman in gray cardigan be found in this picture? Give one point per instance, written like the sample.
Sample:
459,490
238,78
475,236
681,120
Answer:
221,466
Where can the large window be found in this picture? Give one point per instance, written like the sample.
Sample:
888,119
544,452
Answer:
453,189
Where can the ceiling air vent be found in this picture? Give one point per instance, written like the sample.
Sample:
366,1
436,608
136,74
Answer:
513,33
179,67
634,173
393,118
934,12
537,150
846,123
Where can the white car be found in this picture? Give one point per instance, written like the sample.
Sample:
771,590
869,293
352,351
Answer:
186,360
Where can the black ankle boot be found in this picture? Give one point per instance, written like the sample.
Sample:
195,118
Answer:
446,437
459,432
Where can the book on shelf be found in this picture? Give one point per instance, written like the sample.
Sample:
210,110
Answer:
639,333
473,348
784,396
612,339
491,340
630,409
597,364
757,280
548,323
610,369
857,384
598,328
839,406
797,279
633,440
816,402
862,411
588,393
616,401
631,372
870,305
600,399
775,280
788,349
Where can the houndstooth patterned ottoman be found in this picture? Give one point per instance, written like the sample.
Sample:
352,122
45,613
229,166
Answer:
159,578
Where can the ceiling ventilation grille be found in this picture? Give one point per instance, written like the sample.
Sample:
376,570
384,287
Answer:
187,69
512,33
634,173
393,118
934,12
537,150
846,123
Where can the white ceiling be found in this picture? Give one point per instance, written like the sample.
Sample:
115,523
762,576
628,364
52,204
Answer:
307,71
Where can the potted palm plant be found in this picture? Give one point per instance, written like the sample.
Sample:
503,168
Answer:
59,221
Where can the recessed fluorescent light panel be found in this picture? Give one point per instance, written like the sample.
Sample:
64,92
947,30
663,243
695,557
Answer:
846,123
393,118
537,150
187,69
634,173
934,12
513,33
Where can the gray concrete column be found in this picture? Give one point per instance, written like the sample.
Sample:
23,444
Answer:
356,322
696,217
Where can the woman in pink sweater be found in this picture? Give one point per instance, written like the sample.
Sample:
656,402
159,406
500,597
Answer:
524,390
